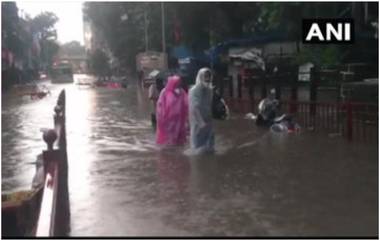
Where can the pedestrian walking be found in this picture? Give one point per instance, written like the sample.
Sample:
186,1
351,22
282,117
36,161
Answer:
200,112
153,94
172,114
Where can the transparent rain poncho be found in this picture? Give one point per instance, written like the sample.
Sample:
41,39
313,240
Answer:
200,114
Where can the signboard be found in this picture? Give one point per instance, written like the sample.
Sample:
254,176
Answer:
151,60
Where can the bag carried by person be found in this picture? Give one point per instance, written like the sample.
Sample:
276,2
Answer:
219,108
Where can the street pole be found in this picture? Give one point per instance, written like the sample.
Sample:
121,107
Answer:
163,27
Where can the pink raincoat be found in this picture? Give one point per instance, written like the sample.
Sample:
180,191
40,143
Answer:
172,113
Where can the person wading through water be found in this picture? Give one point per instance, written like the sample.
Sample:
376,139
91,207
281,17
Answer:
154,93
172,114
200,112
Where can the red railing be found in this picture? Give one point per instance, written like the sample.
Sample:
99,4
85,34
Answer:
355,121
54,216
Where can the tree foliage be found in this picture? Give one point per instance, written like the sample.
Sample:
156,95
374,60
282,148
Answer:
73,48
44,25
18,34
202,24
10,26
98,63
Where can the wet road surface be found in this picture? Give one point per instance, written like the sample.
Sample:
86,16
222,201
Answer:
256,184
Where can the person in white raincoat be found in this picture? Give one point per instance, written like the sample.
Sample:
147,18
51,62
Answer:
200,112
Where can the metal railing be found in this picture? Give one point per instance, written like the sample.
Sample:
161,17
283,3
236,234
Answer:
354,121
54,216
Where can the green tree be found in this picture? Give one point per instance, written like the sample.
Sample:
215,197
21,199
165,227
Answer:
15,36
99,64
202,24
73,48
44,26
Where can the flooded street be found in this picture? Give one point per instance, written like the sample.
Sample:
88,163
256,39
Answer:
256,184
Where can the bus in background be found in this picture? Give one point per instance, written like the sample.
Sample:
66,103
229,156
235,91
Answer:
62,72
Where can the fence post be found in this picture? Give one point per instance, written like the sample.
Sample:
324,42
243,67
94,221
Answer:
239,85
294,91
349,120
222,86
314,79
338,82
263,85
251,93
230,86
277,85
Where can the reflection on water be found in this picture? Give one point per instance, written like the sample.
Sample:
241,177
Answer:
257,183
22,119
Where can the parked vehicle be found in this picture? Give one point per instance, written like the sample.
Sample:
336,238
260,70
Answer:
42,75
62,73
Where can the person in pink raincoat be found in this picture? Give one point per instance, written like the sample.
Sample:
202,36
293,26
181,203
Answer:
172,113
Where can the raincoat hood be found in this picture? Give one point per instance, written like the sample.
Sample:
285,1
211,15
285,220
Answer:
200,80
173,83
172,114
200,113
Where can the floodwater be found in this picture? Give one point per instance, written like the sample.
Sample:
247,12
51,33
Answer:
257,183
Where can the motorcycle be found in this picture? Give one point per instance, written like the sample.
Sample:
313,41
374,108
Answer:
268,109
285,123
269,116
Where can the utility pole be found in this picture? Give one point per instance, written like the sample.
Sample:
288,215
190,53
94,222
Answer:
163,27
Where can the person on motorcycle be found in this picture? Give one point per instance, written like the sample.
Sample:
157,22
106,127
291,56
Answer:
268,109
